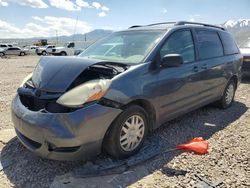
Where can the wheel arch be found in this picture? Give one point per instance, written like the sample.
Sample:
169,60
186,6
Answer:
148,107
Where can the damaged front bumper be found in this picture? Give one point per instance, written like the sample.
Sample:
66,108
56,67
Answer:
75,135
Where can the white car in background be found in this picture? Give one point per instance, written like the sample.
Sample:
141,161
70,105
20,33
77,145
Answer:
16,51
245,51
2,52
5,46
45,50
67,49
32,49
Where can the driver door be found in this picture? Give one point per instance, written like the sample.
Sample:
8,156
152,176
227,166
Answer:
179,87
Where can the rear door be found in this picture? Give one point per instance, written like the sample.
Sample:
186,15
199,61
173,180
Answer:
211,61
179,87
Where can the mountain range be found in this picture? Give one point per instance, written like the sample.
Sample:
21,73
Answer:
239,28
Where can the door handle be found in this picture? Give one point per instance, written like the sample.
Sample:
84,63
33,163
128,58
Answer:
195,68
204,66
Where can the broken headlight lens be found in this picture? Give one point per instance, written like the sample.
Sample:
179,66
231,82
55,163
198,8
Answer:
87,92
26,79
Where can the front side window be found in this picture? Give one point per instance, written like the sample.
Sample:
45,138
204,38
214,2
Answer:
209,44
180,42
128,47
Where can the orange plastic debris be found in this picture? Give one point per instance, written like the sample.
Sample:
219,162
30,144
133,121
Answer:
197,145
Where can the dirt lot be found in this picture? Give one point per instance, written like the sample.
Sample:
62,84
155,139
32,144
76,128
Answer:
227,131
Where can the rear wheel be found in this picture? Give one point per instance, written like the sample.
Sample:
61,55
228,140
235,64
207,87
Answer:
127,133
44,53
228,95
63,54
22,54
2,54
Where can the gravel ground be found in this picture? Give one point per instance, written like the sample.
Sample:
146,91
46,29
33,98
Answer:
227,132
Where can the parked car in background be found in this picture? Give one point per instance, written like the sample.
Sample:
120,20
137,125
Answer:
123,87
16,51
32,49
45,50
245,51
66,50
2,52
5,46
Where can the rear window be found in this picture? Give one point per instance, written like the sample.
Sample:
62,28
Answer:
230,46
209,44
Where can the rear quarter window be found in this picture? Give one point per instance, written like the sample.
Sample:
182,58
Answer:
229,44
209,44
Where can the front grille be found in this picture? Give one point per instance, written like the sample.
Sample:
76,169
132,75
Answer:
36,100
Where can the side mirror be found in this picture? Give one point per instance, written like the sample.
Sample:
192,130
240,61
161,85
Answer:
172,60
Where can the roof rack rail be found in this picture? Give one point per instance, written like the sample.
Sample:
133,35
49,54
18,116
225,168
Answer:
198,23
133,26
161,23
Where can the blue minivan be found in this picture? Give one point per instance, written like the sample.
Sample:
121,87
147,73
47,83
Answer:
123,87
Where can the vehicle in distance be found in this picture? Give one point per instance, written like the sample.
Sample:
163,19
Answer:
16,51
31,49
2,52
5,46
245,51
123,87
67,49
45,50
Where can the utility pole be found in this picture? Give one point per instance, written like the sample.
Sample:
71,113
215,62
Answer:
56,38
75,29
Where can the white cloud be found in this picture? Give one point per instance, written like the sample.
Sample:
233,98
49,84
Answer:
96,5
65,5
31,3
193,17
102,14
3,3
104,8
164,11
43,27
82,3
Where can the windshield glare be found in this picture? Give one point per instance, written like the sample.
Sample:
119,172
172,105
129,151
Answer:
124,47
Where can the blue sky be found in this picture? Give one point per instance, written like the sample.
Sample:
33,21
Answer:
28,18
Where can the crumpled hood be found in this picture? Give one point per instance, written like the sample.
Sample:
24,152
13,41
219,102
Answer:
55,74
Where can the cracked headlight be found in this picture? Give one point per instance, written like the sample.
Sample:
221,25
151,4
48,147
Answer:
89,91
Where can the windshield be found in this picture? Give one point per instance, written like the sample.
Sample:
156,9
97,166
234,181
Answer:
125,47
244,44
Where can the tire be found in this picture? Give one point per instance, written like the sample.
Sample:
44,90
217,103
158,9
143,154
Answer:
22,53
63,53
44,53
228,96
2,54
114,144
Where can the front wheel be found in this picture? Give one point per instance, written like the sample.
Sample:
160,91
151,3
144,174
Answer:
44,53
127,133
228,95
22,54
2,54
